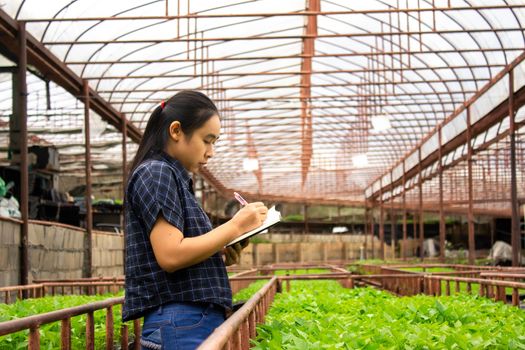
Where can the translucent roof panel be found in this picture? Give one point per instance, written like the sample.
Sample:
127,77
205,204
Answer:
327,101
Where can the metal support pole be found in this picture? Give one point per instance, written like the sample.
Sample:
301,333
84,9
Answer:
88,245
372,231
366,228
492,230
441,213
306,228
124,179
405,234
393,222
421,220
124,154
515,221
414,232
381,224
470,213
21,102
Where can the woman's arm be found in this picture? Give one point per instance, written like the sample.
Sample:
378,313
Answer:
173,251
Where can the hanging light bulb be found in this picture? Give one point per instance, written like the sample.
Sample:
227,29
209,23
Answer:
380,122
250,164
360,160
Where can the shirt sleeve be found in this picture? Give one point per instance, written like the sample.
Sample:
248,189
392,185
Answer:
154,190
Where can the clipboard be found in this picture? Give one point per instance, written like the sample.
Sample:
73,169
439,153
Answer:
272,218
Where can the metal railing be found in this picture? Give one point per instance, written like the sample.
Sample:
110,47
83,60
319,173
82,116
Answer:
236,331
33,323
494,289
66,287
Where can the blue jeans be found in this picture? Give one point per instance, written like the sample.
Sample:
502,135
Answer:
180,325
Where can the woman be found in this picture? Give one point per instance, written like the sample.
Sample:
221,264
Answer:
175,273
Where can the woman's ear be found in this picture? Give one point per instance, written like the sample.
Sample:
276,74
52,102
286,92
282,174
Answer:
175,131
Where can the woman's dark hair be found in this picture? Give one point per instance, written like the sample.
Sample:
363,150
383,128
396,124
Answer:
191,108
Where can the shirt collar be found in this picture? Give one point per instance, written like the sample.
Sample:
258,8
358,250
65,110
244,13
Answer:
183,173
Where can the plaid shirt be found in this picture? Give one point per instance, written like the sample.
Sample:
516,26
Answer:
163,185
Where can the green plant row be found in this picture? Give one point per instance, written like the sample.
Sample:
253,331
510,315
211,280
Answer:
246,293
323,315
50,333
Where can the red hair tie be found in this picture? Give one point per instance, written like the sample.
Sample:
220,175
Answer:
162,104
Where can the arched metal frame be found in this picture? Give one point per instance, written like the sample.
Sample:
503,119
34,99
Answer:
413,61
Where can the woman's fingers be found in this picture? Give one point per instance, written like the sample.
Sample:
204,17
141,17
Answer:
232,255
244,243
230,260
250,216
261,210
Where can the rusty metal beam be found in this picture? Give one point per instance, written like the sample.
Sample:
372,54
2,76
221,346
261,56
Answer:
308,50
276,37
330,98
53,69
396,10
296,86
305,71
317,56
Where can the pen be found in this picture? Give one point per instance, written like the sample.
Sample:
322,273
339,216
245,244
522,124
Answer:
240,199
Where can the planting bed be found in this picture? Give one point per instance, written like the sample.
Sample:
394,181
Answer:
322,314
50,333
309,307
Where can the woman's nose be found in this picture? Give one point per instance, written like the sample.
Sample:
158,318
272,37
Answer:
211,152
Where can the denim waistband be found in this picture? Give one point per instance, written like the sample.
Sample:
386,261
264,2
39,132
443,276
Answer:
187,306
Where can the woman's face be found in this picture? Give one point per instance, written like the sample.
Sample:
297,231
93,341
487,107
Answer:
193,152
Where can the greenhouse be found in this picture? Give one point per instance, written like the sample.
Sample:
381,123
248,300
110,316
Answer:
301,174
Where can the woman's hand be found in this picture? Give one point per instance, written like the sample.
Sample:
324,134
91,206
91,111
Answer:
249,217
232,254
